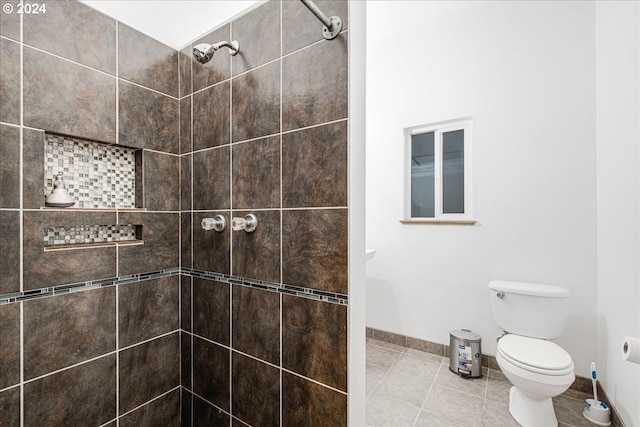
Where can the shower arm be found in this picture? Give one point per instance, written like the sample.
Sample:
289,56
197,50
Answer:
332,25
234,47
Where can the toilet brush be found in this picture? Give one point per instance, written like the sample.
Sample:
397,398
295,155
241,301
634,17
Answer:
594,379
595,411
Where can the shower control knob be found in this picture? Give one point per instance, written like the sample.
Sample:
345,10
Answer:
217,223
248,223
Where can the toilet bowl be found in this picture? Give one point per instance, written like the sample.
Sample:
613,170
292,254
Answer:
539,370
530,315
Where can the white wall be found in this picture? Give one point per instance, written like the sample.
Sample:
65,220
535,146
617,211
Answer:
175,23
525,72
357,301
618,183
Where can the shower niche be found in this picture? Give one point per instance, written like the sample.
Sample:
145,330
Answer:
98,177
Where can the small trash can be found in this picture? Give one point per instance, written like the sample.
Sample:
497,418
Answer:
465,353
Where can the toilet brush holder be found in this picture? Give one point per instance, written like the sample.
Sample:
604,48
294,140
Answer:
597,412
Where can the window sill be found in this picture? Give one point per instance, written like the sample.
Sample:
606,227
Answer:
439,221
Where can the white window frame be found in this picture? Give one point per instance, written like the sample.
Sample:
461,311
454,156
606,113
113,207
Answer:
439,128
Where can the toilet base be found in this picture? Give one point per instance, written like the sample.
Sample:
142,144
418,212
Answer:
530,411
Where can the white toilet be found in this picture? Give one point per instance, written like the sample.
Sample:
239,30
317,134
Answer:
530,314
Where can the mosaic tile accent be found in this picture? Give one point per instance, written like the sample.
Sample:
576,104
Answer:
83,234
314,294
83,286
95,175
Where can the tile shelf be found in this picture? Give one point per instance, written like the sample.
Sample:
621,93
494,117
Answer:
47,208
57,248
101,179
97,176
87,236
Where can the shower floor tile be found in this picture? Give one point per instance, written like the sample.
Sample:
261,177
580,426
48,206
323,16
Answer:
407,387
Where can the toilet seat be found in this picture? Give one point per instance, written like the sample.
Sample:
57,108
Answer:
535,355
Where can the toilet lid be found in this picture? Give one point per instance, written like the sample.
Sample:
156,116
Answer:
534,353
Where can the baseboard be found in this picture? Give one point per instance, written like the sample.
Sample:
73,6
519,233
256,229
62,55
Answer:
581,384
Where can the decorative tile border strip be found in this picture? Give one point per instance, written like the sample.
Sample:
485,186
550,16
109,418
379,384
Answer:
314,294
85,286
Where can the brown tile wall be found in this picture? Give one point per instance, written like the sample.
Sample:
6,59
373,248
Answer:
79,349
10,81
71,343
10,22
263,132
269,137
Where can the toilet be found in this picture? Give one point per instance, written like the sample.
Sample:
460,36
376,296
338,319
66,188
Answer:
530,315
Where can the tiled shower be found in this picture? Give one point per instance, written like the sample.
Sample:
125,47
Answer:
175,325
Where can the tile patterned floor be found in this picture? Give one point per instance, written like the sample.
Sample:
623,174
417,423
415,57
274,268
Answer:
411,388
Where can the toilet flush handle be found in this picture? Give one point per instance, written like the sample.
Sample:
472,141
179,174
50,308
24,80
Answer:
500,295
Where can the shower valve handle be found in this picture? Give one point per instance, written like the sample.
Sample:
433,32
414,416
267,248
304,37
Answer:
217,223
248,223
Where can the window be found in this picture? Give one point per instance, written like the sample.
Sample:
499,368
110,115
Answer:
438,172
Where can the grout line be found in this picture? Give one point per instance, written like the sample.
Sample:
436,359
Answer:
66,368
180,333
117,64
285,132
179,74
191,348
217,83
21,165
101,71
281,400
426,398
71,60
314,381
212,404
166,334
21,222
150,401
22,364
316,208
281,236
16,385
231,207
281,57
191,180
230,347
143,201
84,362
281,233
150,150
307,208
117,328
13,125
149,89
441,369
13,40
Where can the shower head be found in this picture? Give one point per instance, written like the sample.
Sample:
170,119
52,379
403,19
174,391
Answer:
203,52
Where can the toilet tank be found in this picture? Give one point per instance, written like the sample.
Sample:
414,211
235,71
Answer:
529,309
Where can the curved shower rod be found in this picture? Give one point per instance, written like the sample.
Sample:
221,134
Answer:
332,25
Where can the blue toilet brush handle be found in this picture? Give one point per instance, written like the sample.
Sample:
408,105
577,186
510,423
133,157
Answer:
594,377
